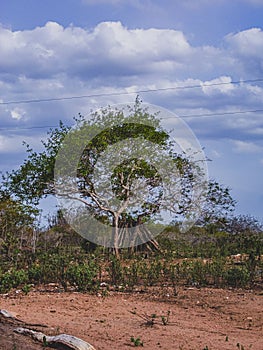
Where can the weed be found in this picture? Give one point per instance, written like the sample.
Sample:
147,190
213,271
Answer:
26,288
165,319
136,341
151,320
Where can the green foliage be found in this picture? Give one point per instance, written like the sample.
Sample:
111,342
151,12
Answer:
216,270
218,206
198,273
86,272
31,181
165,319
115,271
132,274
153,272
36,274
236,277
35,177
197,257
49,268
82,276
12,279
136,341
17,223
26,288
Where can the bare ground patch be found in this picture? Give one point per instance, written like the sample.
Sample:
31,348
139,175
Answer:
199,318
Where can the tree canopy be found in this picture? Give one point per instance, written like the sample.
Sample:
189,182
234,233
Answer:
120,169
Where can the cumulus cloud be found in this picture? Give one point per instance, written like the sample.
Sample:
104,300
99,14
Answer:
248,42
112,50
246,48
219,85
108,49
53,61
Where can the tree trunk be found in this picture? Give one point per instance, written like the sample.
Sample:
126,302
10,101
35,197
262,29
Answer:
115,237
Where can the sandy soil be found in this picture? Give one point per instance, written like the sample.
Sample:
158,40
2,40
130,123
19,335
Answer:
199,318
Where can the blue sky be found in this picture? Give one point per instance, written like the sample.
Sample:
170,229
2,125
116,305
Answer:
85,47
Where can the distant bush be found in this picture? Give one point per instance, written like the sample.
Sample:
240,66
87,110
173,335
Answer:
12,279
237,277
82,276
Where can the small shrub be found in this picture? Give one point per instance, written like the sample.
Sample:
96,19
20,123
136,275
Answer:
82,276
12,279
115,271
35,273
26,288
216,270
236,277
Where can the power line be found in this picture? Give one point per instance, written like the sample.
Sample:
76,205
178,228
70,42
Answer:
219,113
129,93
29,127
180,116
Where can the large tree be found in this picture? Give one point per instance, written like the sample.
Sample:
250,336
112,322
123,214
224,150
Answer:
120,169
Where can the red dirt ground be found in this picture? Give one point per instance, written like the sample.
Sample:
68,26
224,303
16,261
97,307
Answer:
199,318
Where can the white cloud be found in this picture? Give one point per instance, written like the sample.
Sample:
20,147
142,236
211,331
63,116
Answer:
108,49
257,131
17,113
140,44
53,61
112,50
219,85
246,49
246,147
13,143
248,42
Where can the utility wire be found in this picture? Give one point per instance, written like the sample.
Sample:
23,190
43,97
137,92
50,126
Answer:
129,93
28,128
215,114
138,92
180,116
